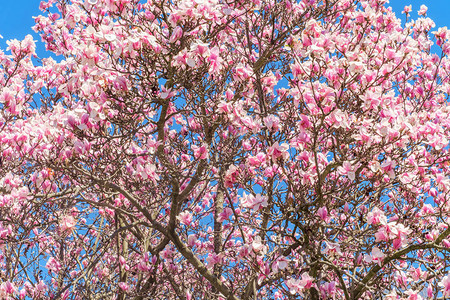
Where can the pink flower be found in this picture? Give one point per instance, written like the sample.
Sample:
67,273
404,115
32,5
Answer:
445,283
430,291
423,10
279,151
213,259
307,281
53,265
166,93
295,286
225,214
388,166
68,223
407,9
376,216
282,263
298,285
257,245
122,260
347,169
231,176
200,48
200,152
256,161
150,172
22,294
304,122
176,34
332,248
381,235
413,295
192,239
432,235
41,287
7,97
252,202
124,286
376,256
296,70
323,214
328,289
441,34
433,192
7,288
223,107
427,209
446,243
242,73
215,60
272,123
397,230
188,295
185,218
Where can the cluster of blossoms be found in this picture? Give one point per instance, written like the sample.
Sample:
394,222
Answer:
210,149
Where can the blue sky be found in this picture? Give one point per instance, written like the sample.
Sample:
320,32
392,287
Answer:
16,16
438,10
16,19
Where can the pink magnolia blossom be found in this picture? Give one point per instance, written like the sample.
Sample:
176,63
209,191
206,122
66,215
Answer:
445,285
282,263
225,215
7,289
258,245
329,289
200,152
192,239
332,249
376,256
254,202
430,291
376,216
423,10
213,259
176,34
299,285
279,151
53,265
347,169
295,286
185,218
272,123
323,214
124,286
22,294
68,223
407,9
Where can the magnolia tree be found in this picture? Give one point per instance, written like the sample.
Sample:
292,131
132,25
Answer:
212,149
